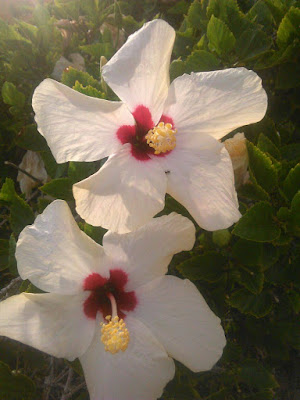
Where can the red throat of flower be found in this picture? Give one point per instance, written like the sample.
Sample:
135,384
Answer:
145,138
100,290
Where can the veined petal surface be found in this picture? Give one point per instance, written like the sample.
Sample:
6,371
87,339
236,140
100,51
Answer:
202,180
141,372
124,194
49,322
139,72
78,127
146,253
55,255
217,102
179,317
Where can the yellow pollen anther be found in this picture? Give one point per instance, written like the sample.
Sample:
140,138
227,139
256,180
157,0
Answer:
162,138
114,334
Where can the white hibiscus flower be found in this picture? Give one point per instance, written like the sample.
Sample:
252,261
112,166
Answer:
164,316
159,138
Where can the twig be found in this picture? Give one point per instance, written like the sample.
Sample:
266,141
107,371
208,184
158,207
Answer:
48,380
12,283
68,382
75,390
23,171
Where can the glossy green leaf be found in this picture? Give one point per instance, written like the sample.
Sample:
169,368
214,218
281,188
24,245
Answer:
258,224
12,96
255,375
60,188
262,168
201,60
207,267
220,38
258,305
14,385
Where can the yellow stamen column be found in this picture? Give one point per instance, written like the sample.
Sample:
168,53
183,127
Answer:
162,138
114,334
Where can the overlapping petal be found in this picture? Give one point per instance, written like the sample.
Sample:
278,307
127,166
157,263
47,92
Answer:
141,372
180,319
124,194
202,180
146,253
78,127
217,102
49,322
55,255
139,72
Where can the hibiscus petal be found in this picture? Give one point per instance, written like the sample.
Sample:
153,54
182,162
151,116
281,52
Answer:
54,254
215,103
176,313
146,253
124,194
140,372
78,127
139,72
202,180
49,322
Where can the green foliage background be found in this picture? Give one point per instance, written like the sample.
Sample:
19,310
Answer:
250,273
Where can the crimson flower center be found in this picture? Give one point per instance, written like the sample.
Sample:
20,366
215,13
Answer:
100,290
136,134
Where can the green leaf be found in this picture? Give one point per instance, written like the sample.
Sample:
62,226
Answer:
95,232
71,75
252,43
177,68
255,375
12,96
53,169
30,139
228,11
262,167
196,14
258,224
289,28
257,305
12,262
15,386
60,188
295,214
288,76
221,237
220,38
80,170
4,252
201,60
97,50
88,90
252,278
267,146
252,190
207,267
20,212
291,152
292,182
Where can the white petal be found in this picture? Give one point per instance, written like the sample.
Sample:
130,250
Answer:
54,254
215,103
139,373
179,317
49,322
146,253
77,127
202,180
139,71
124,194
